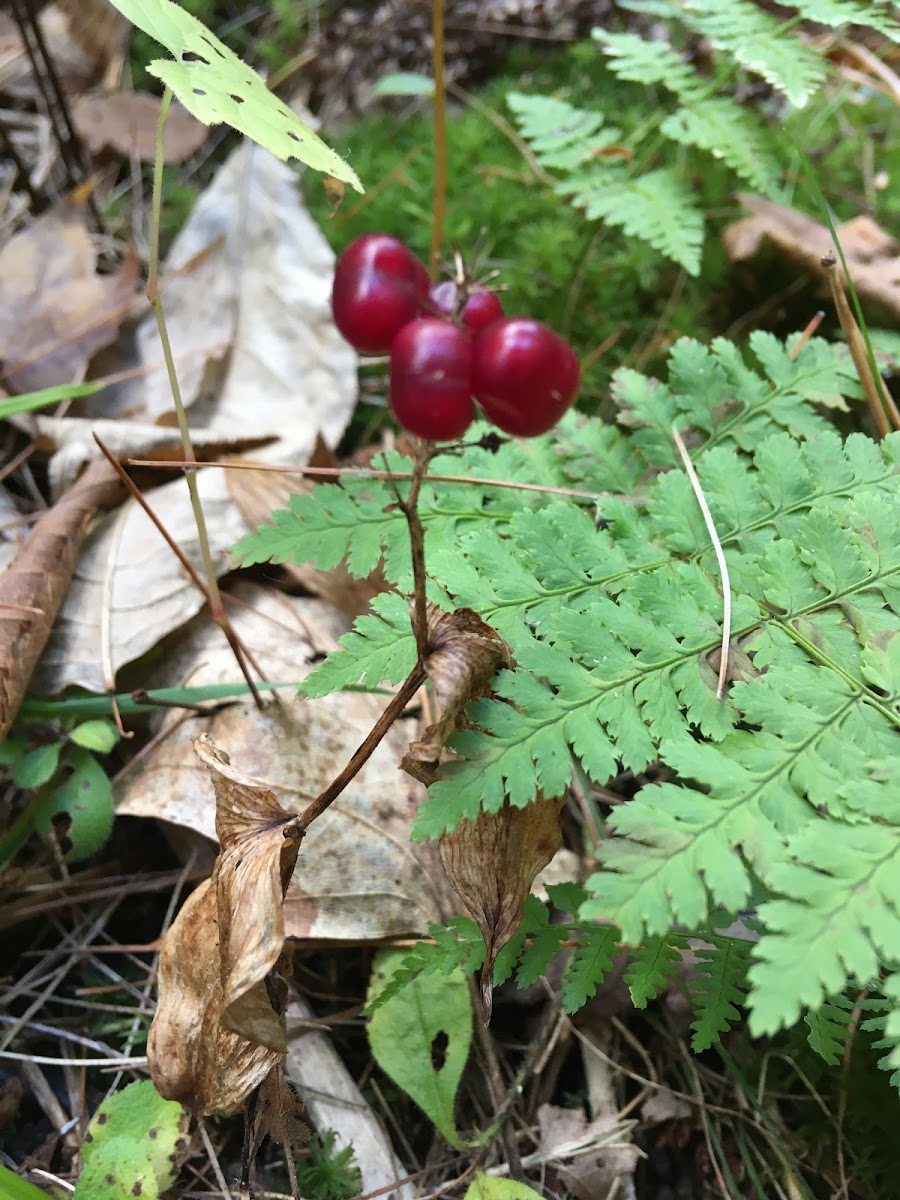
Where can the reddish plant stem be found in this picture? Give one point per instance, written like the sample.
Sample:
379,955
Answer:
365,751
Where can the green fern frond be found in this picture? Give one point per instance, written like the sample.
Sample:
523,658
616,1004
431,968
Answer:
589,965
829,1028
658,207
456,945
562,137
874,14
729,132
760,44
641,61
718,986
886,1025
653,966
379,649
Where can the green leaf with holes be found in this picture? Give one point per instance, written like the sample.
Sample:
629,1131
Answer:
215,86
133,1146
82,800
421,1037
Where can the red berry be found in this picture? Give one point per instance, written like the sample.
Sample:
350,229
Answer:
379,285
481,309
524,375
431,379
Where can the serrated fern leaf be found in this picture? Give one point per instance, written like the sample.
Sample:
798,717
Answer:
838,916
874,14
589,965
650,62
829,1028
458,944
379,649
718,986
652,967
563,137
758,43
886,1025
727,131
657,207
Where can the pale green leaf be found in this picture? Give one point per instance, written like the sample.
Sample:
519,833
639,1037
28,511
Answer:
97,735
421,1037
489,1187
84,796
215,86
404,83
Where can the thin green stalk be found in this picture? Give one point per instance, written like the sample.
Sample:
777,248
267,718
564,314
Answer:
440,137
217,608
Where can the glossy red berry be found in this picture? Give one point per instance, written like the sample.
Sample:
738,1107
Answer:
524,375
480,309
379,286
431,379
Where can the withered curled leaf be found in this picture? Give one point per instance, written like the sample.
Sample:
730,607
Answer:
464,654
218,1031
492,863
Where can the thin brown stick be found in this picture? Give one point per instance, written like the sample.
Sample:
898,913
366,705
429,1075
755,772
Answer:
425,452
811,326
881,404
371,473
240,651
365,751
440,136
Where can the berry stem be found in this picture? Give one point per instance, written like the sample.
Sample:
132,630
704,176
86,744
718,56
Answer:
440,137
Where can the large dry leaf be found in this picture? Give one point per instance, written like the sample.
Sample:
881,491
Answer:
246,292
216,1034
55,310
492,863
126,123
34,583
129,590
359,876
75,63
873,256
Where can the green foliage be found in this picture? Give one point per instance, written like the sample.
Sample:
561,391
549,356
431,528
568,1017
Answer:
487,1187
216,86
329,1173
421,1035
604,170
132,1145
780,797
13,1187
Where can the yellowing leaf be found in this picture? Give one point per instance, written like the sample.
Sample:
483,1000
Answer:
215,86
486,1187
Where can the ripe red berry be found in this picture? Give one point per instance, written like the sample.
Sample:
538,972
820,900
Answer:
431,379
524,375
480,309
379,286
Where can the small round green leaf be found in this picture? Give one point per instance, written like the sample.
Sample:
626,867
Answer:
85,795
38,766
486,1187
99,736
404,83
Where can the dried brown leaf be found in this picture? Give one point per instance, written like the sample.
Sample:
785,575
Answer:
217,1033
33,586
55,310
873,256
492,863
126,123
464,654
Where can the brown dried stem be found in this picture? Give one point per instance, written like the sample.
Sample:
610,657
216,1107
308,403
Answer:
881,405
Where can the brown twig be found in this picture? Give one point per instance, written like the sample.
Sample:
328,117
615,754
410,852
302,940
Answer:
365,751
240,651
440,136
881,404
425,452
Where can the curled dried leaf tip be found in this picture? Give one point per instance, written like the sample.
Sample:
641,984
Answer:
464,655
218,1028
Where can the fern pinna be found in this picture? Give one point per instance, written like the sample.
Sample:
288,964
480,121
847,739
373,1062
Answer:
612,174
777,806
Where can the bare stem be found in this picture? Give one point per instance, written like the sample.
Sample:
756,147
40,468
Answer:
216,607
440,136
425,452
365,751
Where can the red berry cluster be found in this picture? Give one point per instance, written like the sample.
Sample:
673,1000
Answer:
449,346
